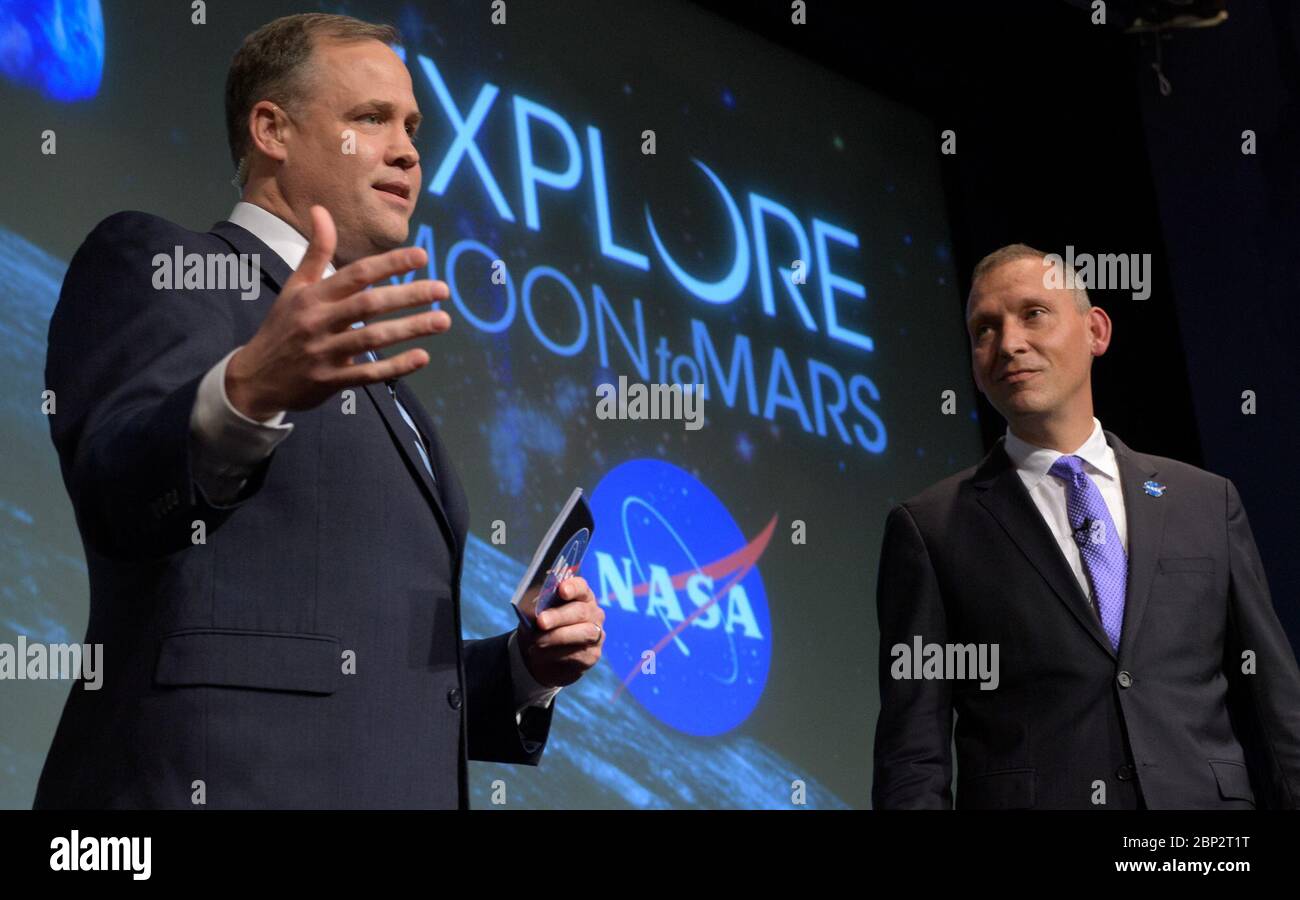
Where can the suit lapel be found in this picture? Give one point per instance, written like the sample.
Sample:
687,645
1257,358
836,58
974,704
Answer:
450,492
276,272
1146,526
1003,494
406,442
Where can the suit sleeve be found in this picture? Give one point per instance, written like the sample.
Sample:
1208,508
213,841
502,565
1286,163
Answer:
125,359
913,745
1266,703
493,734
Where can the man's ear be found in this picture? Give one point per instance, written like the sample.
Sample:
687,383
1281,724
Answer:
1099,330
267,127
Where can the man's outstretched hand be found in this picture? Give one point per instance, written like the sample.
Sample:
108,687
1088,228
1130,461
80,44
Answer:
568,637
302,353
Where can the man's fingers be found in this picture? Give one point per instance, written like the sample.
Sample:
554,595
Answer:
377,335
582,608
383,370
320,249
574,587
570,638
372,304
359,275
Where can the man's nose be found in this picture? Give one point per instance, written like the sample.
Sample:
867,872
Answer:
404,155
1011,341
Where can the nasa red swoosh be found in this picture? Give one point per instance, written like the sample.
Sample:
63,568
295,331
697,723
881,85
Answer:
744,558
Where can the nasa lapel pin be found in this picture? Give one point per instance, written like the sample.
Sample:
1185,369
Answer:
1154,488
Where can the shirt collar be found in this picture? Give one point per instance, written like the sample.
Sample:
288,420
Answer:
273,231
1034,462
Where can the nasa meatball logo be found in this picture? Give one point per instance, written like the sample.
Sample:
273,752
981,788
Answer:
563,567
688,630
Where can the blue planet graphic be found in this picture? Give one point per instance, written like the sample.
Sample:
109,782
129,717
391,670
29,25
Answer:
54,46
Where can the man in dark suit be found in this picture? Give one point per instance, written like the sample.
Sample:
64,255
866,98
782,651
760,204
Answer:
1140,661
273,530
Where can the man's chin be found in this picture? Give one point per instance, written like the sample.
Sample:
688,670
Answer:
389,240
1023,404
388,227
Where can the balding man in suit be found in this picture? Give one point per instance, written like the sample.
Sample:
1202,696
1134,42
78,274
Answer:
1141,663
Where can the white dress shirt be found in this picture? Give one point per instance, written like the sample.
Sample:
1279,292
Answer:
1048,492
227,445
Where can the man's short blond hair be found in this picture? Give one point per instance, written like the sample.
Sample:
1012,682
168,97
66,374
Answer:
1014,252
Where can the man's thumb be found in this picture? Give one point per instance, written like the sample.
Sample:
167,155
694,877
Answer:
320,248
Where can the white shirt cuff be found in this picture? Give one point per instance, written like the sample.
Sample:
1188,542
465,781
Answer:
226,444
528,691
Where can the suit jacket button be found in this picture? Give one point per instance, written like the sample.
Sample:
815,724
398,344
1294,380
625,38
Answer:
1124,772
453,698
1125,679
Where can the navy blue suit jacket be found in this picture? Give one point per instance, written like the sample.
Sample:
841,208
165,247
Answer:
1170,721
224,660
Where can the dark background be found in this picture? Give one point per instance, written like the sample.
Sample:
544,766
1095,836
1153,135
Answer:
1063,137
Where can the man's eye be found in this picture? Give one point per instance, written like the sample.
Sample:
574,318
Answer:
378,119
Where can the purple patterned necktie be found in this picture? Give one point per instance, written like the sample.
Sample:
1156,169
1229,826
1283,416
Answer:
1094,533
